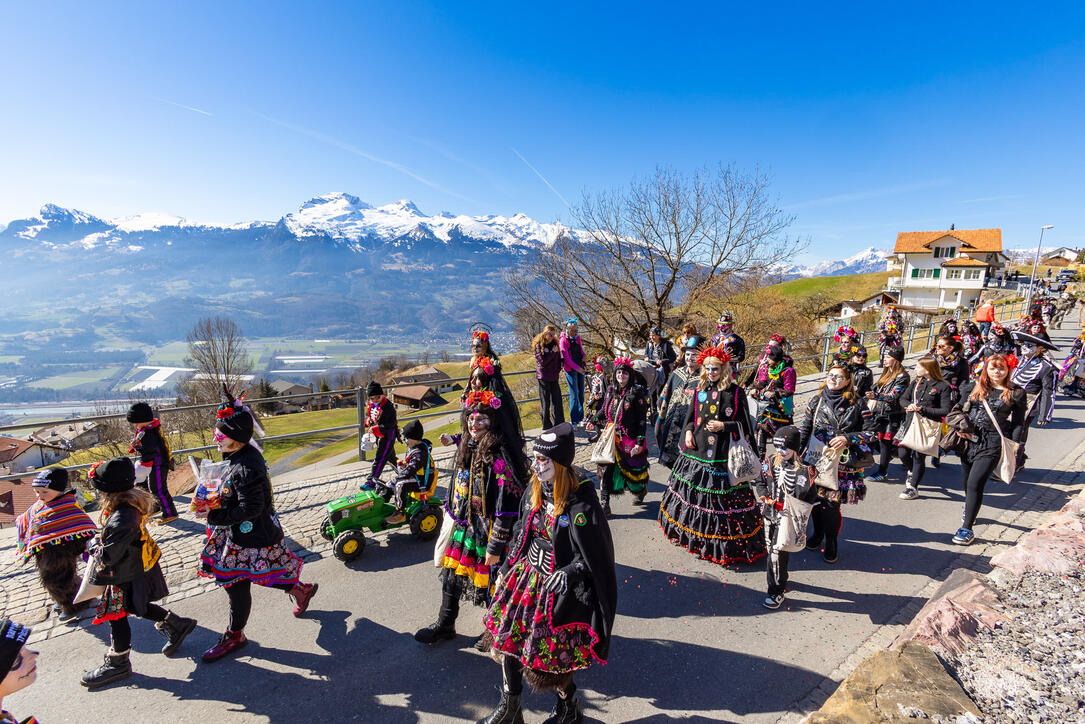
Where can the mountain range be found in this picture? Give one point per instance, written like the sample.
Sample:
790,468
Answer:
336,267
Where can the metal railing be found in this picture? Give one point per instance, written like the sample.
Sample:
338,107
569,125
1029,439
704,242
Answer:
1004,312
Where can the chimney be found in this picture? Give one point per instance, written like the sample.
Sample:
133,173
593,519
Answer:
952,227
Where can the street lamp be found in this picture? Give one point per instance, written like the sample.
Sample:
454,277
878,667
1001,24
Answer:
1035,261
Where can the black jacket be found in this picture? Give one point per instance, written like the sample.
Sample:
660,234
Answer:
662,355
581,535
891,393
1010,417
247,506
955,372
861,378
121,548
850,419
934,397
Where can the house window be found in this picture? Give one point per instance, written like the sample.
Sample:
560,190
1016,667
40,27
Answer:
953,274
945,252
973,274
926,273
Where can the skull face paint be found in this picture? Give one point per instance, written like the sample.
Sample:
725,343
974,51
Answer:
713,370
543,467
478,425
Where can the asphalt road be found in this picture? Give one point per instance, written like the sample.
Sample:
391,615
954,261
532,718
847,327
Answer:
692,641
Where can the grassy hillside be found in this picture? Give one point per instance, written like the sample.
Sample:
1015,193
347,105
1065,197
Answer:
848,286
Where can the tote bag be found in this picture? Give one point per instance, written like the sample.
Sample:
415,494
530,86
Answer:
87,589
1007,463
742,464
443,538
827,469
791,533
603,452
922,435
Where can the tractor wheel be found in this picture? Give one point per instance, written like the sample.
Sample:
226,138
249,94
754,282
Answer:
349,545
426,523
326,527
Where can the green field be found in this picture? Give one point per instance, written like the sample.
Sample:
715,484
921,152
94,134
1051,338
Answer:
848,286
74,379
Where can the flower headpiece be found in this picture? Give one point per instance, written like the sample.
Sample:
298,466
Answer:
480,334
482,398
713,353
623,362
485,363
777,339
844,331
891,327
725,320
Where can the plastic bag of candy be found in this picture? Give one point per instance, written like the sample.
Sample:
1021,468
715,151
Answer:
210,479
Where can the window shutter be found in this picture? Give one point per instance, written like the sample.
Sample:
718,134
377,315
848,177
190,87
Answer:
937,252
937,273
952,252
915,273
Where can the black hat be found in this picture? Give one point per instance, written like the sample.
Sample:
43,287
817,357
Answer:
53,478
114,476
13,637
235,422
657,331
373,389
896,353
786,438
413,430
557,444
140,412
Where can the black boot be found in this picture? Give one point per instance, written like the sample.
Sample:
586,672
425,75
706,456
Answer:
604,501
567,711
115,667
508,711
830,553
175,629
445,626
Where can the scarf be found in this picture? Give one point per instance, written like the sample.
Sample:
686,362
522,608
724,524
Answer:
57,521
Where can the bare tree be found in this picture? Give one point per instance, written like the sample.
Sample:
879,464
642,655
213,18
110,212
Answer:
217,349
662,247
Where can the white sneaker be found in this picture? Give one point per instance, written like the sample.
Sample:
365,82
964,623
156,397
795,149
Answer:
773,602
909,493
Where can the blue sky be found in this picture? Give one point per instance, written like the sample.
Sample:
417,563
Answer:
872,120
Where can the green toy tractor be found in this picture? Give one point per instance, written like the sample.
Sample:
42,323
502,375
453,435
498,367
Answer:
347,516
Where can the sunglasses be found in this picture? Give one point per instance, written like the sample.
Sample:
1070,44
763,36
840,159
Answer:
218,436
836,378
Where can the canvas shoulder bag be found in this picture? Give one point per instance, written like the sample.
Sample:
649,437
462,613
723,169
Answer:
1007,462
742,464
922,435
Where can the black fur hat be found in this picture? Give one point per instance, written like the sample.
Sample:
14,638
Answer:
53,478
113,476
140,412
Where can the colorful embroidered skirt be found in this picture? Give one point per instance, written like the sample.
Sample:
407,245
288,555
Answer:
117,601
464,561
852,487
519,619
713,519
227,563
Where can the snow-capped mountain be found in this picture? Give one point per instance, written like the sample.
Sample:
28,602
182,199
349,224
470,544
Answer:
868,260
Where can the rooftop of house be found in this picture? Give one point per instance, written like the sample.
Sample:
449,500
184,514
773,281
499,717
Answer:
921,242
22,497
13,447
426,372
964,261
413,392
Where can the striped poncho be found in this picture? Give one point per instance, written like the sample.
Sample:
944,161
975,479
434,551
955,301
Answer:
54,522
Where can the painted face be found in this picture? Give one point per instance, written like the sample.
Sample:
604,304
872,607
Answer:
713,370
478,345
376,399
23,672
1028,349
223,443
691,358
836,380
543,467
476,381
859,358
477,425
622,376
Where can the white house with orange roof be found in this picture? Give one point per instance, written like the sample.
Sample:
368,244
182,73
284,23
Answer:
944,269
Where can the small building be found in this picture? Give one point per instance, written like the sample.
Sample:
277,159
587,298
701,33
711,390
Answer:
841,310
282,387
20,455
1056,260
425,375
15,497
1064,253
878,301
945,269
74,435
416,397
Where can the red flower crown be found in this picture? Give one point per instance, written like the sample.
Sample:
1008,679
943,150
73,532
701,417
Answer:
714,352
485,363
482,398
479,334
623,362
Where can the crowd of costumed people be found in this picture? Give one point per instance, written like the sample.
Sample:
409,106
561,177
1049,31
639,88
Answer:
526,543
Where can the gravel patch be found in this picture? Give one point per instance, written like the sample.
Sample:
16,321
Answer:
1031,668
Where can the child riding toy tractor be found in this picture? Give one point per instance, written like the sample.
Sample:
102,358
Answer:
347,516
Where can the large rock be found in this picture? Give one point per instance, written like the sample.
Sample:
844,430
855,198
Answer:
898,685
1055,547
953,616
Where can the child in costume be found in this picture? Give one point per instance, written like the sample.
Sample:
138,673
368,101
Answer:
126,560
553,609
54,531
383,425
244,542
415,471
155,458
782,474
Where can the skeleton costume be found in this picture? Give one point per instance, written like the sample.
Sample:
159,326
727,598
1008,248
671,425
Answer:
1037,375
553,609
727,339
